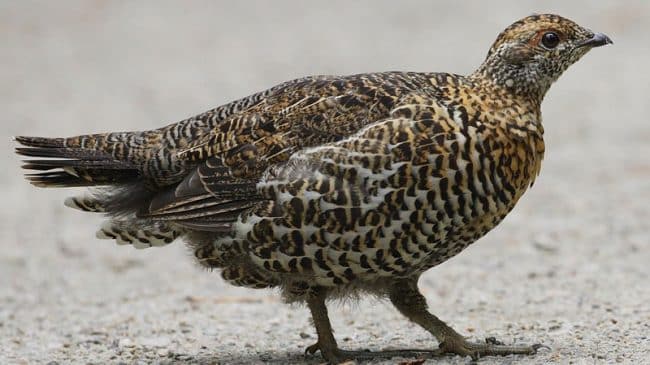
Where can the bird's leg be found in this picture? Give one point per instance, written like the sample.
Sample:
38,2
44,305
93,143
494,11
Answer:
327,343
406,297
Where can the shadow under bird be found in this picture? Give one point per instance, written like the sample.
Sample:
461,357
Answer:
330,186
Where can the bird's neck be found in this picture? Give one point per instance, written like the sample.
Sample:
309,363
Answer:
516,80
514,112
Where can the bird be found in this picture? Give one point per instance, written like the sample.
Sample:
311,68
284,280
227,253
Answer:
330,187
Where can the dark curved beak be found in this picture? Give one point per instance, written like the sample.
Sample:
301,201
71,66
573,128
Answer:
597,40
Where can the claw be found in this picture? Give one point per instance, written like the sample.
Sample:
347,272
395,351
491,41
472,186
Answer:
493,341
310,350
538,346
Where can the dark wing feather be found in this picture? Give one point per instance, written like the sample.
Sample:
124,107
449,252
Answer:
209,198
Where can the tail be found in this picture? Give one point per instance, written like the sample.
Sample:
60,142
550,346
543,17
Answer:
73,162
112,163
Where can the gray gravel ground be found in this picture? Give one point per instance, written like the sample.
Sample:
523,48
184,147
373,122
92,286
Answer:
568,268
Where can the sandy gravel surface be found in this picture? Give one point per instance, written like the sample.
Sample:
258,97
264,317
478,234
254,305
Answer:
569,267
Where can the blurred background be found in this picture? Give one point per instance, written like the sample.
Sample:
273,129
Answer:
569,267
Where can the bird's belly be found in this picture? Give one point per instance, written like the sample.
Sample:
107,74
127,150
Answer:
413,246
455,237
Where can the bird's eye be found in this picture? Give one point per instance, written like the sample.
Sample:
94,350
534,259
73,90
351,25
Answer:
550,40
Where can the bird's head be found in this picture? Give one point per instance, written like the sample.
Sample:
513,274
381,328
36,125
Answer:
529,55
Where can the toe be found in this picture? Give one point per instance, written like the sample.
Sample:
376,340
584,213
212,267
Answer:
493,341
310,350
538,346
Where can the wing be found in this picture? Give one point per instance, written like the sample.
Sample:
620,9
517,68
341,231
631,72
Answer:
358,206
303,114
230,159
210,198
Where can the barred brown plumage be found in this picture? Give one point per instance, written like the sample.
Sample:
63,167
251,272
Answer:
327,185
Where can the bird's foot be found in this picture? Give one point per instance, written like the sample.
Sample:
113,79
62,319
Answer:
453,346
491,347
337,356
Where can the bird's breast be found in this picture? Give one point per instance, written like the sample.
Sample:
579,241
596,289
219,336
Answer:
471,179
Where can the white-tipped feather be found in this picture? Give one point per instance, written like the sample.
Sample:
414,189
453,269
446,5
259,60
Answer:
84,203
71,203
138,238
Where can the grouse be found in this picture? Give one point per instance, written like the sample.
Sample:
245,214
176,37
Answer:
330,186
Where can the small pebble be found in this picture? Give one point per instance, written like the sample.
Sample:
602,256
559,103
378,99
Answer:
125,342
163,352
